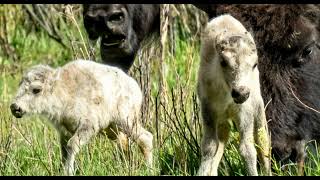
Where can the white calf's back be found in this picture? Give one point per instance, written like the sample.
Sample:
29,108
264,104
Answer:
99,92
114,81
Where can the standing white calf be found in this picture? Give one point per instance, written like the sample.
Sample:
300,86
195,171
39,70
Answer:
81,99
229,89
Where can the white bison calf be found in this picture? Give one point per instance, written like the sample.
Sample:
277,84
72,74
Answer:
229,88
81,99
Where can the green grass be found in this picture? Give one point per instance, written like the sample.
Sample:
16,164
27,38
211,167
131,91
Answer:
30,146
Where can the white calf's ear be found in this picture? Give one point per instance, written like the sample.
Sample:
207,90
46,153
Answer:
42,73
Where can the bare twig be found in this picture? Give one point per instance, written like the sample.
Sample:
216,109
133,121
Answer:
308,107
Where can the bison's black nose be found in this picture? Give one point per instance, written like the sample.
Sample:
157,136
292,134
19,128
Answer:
240,95
16,110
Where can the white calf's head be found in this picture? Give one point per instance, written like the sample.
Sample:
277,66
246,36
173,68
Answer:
31,93
238,62
229,53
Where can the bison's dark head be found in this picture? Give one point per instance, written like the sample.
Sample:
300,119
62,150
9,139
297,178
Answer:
121,28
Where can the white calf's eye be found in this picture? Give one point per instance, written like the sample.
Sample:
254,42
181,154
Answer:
36,90
223,63
255,65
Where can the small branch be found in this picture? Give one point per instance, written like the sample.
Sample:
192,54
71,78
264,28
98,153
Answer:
308,107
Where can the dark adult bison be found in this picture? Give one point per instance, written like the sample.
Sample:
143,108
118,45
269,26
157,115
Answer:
287,37
122,28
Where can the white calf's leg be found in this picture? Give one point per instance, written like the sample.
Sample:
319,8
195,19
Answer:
209,142
212,149
214,138
82,135
247,147
144,140
143,137
209,148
